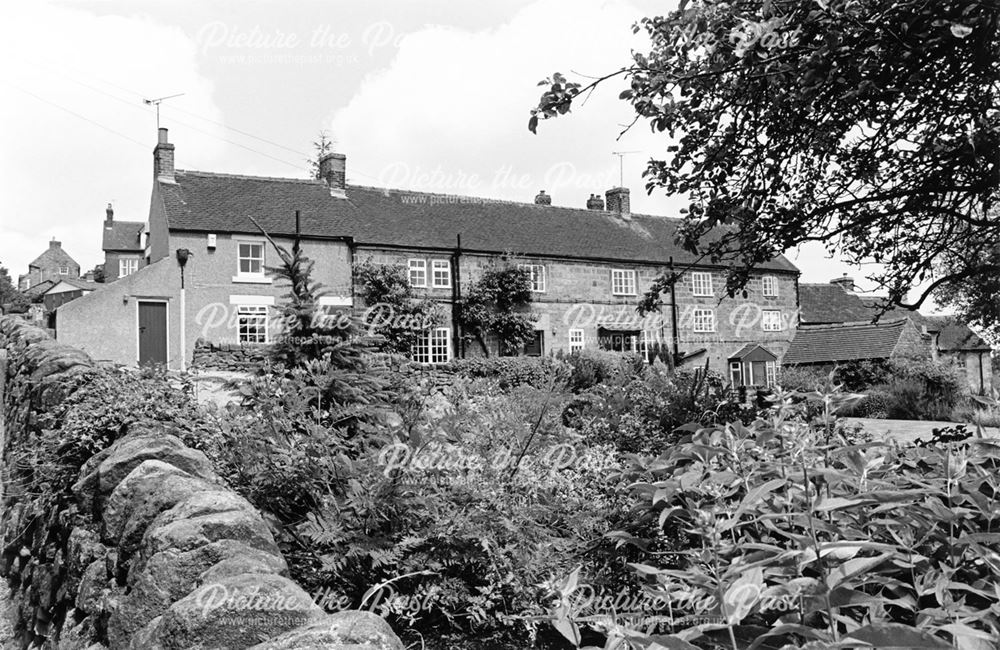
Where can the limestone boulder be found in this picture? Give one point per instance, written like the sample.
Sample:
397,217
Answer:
349,630
232,613
169,575
101,474
206,517
149,489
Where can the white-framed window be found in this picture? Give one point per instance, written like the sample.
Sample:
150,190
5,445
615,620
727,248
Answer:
735,372
644,340
771,372
622,282
25,283
252,323
433,347
537,272
250,259
575,340
701,283
770,286
63,270
418,273
441,274
771,320
704,320
127,267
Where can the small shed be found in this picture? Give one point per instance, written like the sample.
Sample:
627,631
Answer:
753,365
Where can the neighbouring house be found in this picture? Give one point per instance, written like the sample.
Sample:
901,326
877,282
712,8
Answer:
835,326
124,248
54,264
830,344
61,293
588,265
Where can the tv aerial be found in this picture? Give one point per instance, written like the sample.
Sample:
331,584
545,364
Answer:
156,102
621,165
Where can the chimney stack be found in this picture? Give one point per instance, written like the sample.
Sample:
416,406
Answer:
618,201
55,244
595,202
333,170
163,157
543,198
110,212
846,283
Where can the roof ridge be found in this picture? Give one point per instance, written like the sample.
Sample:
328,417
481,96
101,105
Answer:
854,324
310,181
249,177
530,204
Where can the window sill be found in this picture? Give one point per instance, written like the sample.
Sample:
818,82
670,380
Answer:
252,279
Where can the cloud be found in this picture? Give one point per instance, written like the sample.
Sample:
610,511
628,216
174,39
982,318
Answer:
70,78
450,112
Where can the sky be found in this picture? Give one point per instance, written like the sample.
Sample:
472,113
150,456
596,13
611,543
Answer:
427,95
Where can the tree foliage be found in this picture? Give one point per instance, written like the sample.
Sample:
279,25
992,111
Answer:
496,307
319,350
393,310
870,126
11,298
321,146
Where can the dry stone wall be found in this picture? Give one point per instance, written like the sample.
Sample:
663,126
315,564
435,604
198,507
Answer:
150,550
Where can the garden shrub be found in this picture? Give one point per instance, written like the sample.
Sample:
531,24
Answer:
801,539
510,372
639,413
803,378
469,539
922,390
591,367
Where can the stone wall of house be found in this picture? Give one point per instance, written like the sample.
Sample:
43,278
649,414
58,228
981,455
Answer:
911,344
578,296
149,550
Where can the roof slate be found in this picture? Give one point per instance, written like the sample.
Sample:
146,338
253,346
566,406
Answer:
208,202
845,342
829,303
53,256
123,236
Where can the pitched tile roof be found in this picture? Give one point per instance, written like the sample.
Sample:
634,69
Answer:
829,303
223,203
76,282
123,236
956,336
40,288
845,342
53,256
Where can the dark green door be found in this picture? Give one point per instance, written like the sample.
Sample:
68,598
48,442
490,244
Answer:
152,333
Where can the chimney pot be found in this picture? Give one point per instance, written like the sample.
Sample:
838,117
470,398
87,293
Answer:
595,202
110,212
163,157
543,198
618,201
333,170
